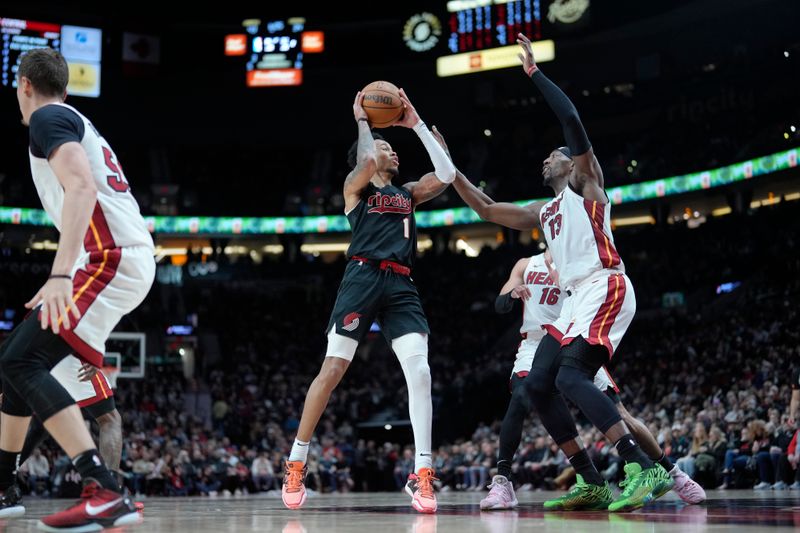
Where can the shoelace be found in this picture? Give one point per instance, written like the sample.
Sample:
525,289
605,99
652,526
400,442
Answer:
425,484
294,479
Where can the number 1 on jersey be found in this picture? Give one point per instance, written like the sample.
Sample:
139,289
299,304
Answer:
406,228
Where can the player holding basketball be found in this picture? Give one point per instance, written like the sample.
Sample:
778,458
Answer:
103,269
377,285
534,282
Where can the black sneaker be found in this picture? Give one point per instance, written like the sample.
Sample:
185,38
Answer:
11,503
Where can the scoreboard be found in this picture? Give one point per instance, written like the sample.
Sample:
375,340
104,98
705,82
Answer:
274,50
81,47
483,35
479,25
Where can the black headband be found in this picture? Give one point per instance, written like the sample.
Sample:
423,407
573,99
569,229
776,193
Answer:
565,150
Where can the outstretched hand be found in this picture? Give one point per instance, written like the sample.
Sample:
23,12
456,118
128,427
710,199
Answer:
410,117
528,61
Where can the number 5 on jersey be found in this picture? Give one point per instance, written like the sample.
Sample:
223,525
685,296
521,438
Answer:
116,180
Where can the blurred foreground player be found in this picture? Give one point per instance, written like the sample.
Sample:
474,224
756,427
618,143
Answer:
90,388
377,285
103,269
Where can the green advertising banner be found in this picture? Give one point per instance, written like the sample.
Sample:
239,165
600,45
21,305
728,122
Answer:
430,219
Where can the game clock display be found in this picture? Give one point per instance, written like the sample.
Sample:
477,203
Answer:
273,51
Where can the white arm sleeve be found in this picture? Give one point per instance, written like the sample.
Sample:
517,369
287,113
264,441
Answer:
442,166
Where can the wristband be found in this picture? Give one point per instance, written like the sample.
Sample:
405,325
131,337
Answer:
59,276
533,68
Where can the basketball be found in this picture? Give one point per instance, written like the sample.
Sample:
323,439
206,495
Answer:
382,104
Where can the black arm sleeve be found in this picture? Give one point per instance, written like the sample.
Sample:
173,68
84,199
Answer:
796,379
51,126
504,303
575,135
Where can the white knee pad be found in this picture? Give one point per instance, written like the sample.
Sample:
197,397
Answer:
341,346
410,345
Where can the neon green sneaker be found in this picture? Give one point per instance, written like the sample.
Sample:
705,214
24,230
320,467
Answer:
640,487
583,496
664,482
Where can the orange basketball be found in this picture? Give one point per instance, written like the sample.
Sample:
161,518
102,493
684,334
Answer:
382,104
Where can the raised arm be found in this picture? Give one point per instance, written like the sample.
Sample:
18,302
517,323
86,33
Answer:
514,288
366,162
586,165
506,214
432,184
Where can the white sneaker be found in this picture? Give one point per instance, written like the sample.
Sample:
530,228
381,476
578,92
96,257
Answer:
763,486
780,485
501,495
795,486
686,488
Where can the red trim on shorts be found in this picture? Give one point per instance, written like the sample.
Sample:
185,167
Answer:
102,390
603,321
553,331
605,248
83,351
98,237
87,286
613,383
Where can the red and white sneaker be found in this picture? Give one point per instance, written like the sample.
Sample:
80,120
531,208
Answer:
294,488
420,487
98,509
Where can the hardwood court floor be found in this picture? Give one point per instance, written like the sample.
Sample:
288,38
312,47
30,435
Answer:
740,511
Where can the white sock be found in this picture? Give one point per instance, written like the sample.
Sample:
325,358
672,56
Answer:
299,451
420,408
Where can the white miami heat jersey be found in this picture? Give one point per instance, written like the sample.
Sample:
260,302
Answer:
544,305
116,221
578,233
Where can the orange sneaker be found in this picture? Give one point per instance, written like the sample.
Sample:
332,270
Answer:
423,498
294,489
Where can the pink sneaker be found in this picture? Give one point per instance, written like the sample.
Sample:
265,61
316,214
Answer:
294,488
420,487
501,495
688,489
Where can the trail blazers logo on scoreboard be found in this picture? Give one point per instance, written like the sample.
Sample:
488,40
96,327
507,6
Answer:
350,322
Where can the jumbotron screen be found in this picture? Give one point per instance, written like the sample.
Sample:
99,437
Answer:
80,46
